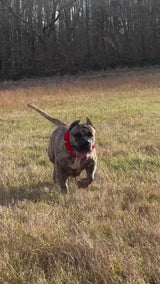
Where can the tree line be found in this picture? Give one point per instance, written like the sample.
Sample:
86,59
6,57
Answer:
47,37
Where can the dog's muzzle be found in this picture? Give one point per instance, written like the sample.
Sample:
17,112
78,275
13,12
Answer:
85,145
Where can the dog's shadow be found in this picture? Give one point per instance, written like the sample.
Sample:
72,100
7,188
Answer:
42,191
35,192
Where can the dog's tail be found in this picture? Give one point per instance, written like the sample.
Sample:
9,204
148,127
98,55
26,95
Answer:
47,116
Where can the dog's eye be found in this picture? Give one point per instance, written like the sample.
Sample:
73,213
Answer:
89,134
78,135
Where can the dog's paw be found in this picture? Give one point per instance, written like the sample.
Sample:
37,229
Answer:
83,183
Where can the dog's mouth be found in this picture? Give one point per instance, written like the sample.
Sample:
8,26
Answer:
83,155
83,150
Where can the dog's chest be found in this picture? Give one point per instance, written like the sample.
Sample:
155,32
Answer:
73,173
74,166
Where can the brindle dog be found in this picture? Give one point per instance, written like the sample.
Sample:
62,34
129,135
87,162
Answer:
71,150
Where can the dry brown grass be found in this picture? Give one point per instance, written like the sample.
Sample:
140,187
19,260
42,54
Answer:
108,233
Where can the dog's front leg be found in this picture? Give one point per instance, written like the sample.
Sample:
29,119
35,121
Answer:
60,179
90,170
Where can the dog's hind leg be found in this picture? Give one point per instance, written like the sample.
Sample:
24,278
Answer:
54,176
60,179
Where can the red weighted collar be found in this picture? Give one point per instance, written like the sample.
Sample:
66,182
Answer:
69,147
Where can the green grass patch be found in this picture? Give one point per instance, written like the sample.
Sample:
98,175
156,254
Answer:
129,163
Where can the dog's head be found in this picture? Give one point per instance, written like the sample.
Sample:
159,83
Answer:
82,136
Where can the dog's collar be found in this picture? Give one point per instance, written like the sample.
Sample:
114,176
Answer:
69,147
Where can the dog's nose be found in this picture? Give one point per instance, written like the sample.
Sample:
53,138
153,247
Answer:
86,143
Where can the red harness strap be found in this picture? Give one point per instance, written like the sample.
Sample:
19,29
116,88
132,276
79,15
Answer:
68,145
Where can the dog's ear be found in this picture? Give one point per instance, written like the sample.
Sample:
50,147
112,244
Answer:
74,124
89,122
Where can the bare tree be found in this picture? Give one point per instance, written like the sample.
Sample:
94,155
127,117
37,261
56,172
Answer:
44,37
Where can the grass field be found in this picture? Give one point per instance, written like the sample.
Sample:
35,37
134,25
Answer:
108,233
